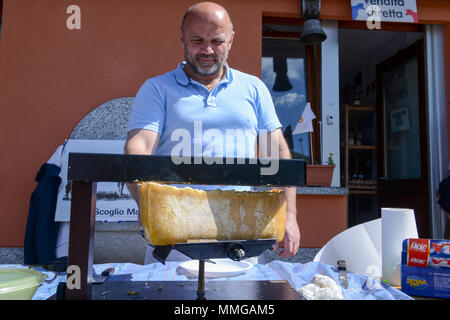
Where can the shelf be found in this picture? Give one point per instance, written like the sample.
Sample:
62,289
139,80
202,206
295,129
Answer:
360,125
358,187
362,147
354,191
358,152
361,108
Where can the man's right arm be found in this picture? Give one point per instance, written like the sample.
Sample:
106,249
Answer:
140,141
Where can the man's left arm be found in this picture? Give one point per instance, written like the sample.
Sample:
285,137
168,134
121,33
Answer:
291,240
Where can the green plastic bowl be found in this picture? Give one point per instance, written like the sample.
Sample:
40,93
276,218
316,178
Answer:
19,284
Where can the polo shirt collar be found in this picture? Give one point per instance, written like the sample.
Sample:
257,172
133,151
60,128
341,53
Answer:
228,75
180,75
183,79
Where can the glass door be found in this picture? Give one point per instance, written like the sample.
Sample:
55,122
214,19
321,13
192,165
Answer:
403,171
401,122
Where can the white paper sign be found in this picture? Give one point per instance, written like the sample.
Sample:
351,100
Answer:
114,202
385,10
304,124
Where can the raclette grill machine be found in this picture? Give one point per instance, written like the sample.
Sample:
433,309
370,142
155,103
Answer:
86,169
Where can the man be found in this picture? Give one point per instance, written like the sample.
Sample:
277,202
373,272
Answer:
203,92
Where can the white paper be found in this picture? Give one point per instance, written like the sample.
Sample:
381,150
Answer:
359,246
304,124
396,225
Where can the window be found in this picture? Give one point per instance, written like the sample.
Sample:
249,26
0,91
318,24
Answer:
287,70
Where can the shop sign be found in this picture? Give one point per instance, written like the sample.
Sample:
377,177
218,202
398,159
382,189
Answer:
385,10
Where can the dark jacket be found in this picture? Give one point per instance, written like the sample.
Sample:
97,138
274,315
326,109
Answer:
42,231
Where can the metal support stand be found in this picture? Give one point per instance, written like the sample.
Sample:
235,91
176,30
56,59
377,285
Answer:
201,280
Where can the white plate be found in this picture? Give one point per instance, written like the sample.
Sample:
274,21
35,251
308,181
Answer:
221,268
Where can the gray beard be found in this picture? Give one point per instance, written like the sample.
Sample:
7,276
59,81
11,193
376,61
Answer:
206,71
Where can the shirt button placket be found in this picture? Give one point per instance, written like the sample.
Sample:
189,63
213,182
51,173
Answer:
212,99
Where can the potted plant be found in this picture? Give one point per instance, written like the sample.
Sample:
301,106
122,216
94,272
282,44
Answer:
320,174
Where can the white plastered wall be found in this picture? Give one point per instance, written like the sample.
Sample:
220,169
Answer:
329,128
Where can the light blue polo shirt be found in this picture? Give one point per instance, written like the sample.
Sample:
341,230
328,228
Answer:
193,121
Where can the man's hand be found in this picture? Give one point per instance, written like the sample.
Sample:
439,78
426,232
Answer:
291,240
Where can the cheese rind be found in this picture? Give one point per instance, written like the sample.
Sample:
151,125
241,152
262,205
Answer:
171,215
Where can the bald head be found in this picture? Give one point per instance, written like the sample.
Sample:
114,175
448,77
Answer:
208,12
206,34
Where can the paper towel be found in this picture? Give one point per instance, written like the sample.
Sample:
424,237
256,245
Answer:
396,225
359,246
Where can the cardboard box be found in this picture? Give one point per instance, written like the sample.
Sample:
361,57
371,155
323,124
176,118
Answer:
425,269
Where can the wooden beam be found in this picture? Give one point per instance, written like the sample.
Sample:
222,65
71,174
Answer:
81,238
385,26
